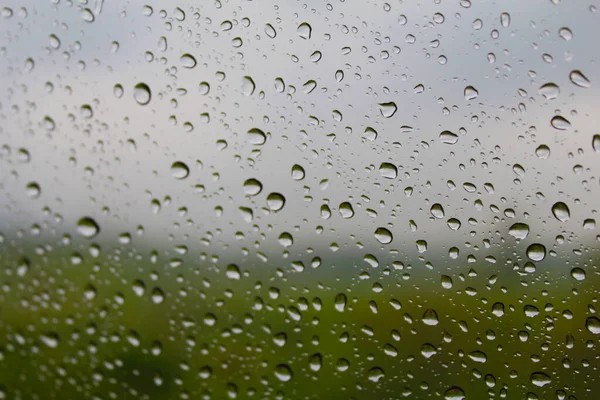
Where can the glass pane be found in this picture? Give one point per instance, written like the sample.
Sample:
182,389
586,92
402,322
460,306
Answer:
294,200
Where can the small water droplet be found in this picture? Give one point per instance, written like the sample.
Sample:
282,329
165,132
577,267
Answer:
270,31
519,230
565,33
188,61
383,235
248,86
550,91
448,137
540,379
256,136
471,93
387,170
297,172
346,210
275,201
252,187
33,190
593,325
283,373
304,30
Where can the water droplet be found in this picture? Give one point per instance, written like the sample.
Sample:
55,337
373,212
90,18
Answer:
275,201
565,33
283,373
256,136
593,325
471,93
454,393
33,190
270,31
519,230
87,15
454,224
560,123
252,187
142,94
375,374
478,356
370,133
297,172
188,61
340,302
505,19
578,274
157,295
50,339
542,152
430,317
550,91
248,86
304,30
315,362
579,79
179,170
536,252
233,272
596,143
87,227
388,109
204,88
437,211
179,14
387,170
383,235
540,379
448,137
561,211
346,210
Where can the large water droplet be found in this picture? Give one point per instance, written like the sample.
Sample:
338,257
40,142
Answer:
388,109
437,211
561,123
471,93
540,379
550,91
536,252
298,172
188,61
142,93
596,143
256,136
383,235
346,210
387,170
304,30
248,86
340,302
593,325
270,31
252,187
283,372
579,79
87,227
179,170
448,137
275,201
561,211
454,393
519,230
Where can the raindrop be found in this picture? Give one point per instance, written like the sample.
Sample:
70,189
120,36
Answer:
593,325
505,20
565,33
542,152
536,252
283,373
388,170
248,86
340,302
179,170
304,30
540,379
578,274
448,137
256,136
188,61
430,317
579,79
519,230
471,93
437,211
454,393
561,211
297,172
383,235
388,109
560,123
252,187
596,143
87,227
275,201
550,91
270,31
33,190
346,210
142,94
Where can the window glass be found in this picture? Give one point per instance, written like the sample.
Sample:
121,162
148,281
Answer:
299,199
